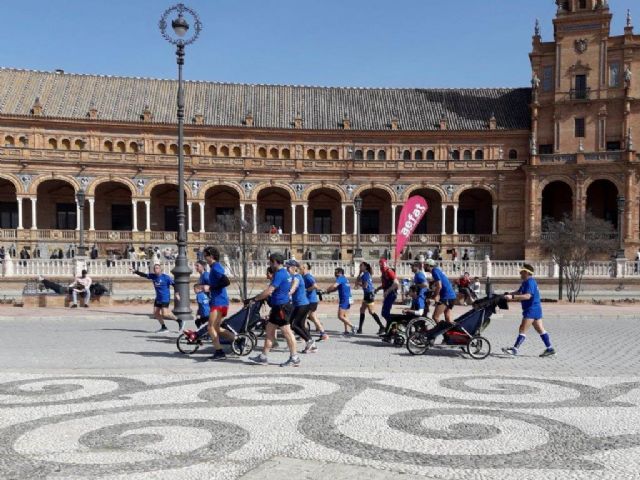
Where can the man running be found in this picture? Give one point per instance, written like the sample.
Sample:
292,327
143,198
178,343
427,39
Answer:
300,307
312,294
278,290
161,283
443,294
420,278
344,300
389,287
219,301
365,281
529,296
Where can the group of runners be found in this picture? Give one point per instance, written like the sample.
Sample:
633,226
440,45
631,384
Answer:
293,295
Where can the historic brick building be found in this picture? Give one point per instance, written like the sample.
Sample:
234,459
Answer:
491,162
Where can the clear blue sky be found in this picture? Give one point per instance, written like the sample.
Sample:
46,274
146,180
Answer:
399,43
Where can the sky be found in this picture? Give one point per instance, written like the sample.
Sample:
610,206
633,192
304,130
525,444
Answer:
359,43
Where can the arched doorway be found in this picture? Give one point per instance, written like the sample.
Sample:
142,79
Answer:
475,212
325,215
56,206
164,208
113,207
8,205
557,202
222,208
274,209
376,212
602,199
431,223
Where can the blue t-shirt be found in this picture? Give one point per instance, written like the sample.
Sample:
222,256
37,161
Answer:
446,292
367,282
418,303
204,278
204,308
161,283
531,308
299,297
344,290
218,294
418,279
309,281
281,282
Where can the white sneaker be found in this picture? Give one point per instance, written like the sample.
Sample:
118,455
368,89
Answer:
310,347
162,329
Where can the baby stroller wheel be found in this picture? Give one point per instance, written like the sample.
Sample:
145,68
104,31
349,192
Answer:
417,344
259,328
185,346
479,348
420,324
398,340
243,344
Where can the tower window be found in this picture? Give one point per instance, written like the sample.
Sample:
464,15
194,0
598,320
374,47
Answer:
579,127
614,75
580,92
547,78
582,4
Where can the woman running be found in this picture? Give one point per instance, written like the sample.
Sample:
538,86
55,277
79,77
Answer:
300,307
365,280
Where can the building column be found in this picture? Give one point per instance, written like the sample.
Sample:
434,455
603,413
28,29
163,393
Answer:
455,219
189,217
242,211
293,219
34,221
444,220
135,215
147,204
495,219
202,205
393,219
92,215
77,216
306,220
344,219
20,226
254,206
355,221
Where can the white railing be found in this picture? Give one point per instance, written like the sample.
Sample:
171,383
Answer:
44,267
600,269
8,234
632,269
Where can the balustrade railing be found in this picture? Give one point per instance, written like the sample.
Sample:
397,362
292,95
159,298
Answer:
8,234
323,238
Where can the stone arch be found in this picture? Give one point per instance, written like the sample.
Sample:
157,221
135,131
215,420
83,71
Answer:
379,186
558,178
91,189
262,186
466,188
436,188
603,176
556,201
33,188
475,211
432,221
215,183
335,188
17,184
159,181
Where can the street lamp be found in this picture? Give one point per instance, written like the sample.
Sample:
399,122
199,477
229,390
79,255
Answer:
181,27
244,228
80,198
357,203
621,204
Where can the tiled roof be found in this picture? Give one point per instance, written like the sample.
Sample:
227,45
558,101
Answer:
272,106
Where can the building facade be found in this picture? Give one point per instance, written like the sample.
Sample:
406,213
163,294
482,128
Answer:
492,163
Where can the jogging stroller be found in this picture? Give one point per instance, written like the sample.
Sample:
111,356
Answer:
240,324
465,333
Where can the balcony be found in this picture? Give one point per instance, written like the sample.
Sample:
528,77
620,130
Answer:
580,94
558,159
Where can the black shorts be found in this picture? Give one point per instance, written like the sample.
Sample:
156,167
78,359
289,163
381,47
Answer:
279,315
447,303
313,307
158,304
369,298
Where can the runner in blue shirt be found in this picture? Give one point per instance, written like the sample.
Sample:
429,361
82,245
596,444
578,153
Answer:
203,279
443,295
300,307
344,300
529,296
417,309
389,287
365,281
420,278
161,283
219,301
278,290
312,294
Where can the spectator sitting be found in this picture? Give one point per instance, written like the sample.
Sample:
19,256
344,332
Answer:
81,285
464,289
475,287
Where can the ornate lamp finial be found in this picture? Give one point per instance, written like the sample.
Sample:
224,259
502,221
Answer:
629,18
536,30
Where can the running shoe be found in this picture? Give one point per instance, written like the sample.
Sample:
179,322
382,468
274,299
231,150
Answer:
219,355
382,331
260,359
323,336
548,352
292,362
162,329
73,305
359,332
180,326
310,347
510,351
346,334
353,330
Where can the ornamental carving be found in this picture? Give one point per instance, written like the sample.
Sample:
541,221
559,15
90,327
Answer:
299,189
450,189
248,187
140,184
399,189
26,181
195,187
581,45
349,189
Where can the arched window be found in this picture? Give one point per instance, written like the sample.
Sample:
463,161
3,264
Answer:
358,155
213,151
455,155
273,153
286,153
418,155
108,146
121,147
513,154
431,155
371,155
186,149
79,144
9,141
467,155
66,144
322,154
53,143
133,147
479,155
262,152
237,152
311,154
161,148
224,151
382,155
173,149
406,155
334,155
24,141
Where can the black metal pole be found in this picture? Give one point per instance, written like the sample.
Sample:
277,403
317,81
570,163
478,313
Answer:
181,271
621,205
358,252
81,246
245,291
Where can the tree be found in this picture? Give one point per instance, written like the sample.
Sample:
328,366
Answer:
572,244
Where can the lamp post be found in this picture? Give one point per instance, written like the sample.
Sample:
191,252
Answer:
621,204
80,198
180,26
357,203
244,228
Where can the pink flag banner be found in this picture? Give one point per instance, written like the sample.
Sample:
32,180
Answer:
414,209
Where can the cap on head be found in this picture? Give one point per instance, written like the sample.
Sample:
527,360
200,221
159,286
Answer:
527,268
291,263
430,262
